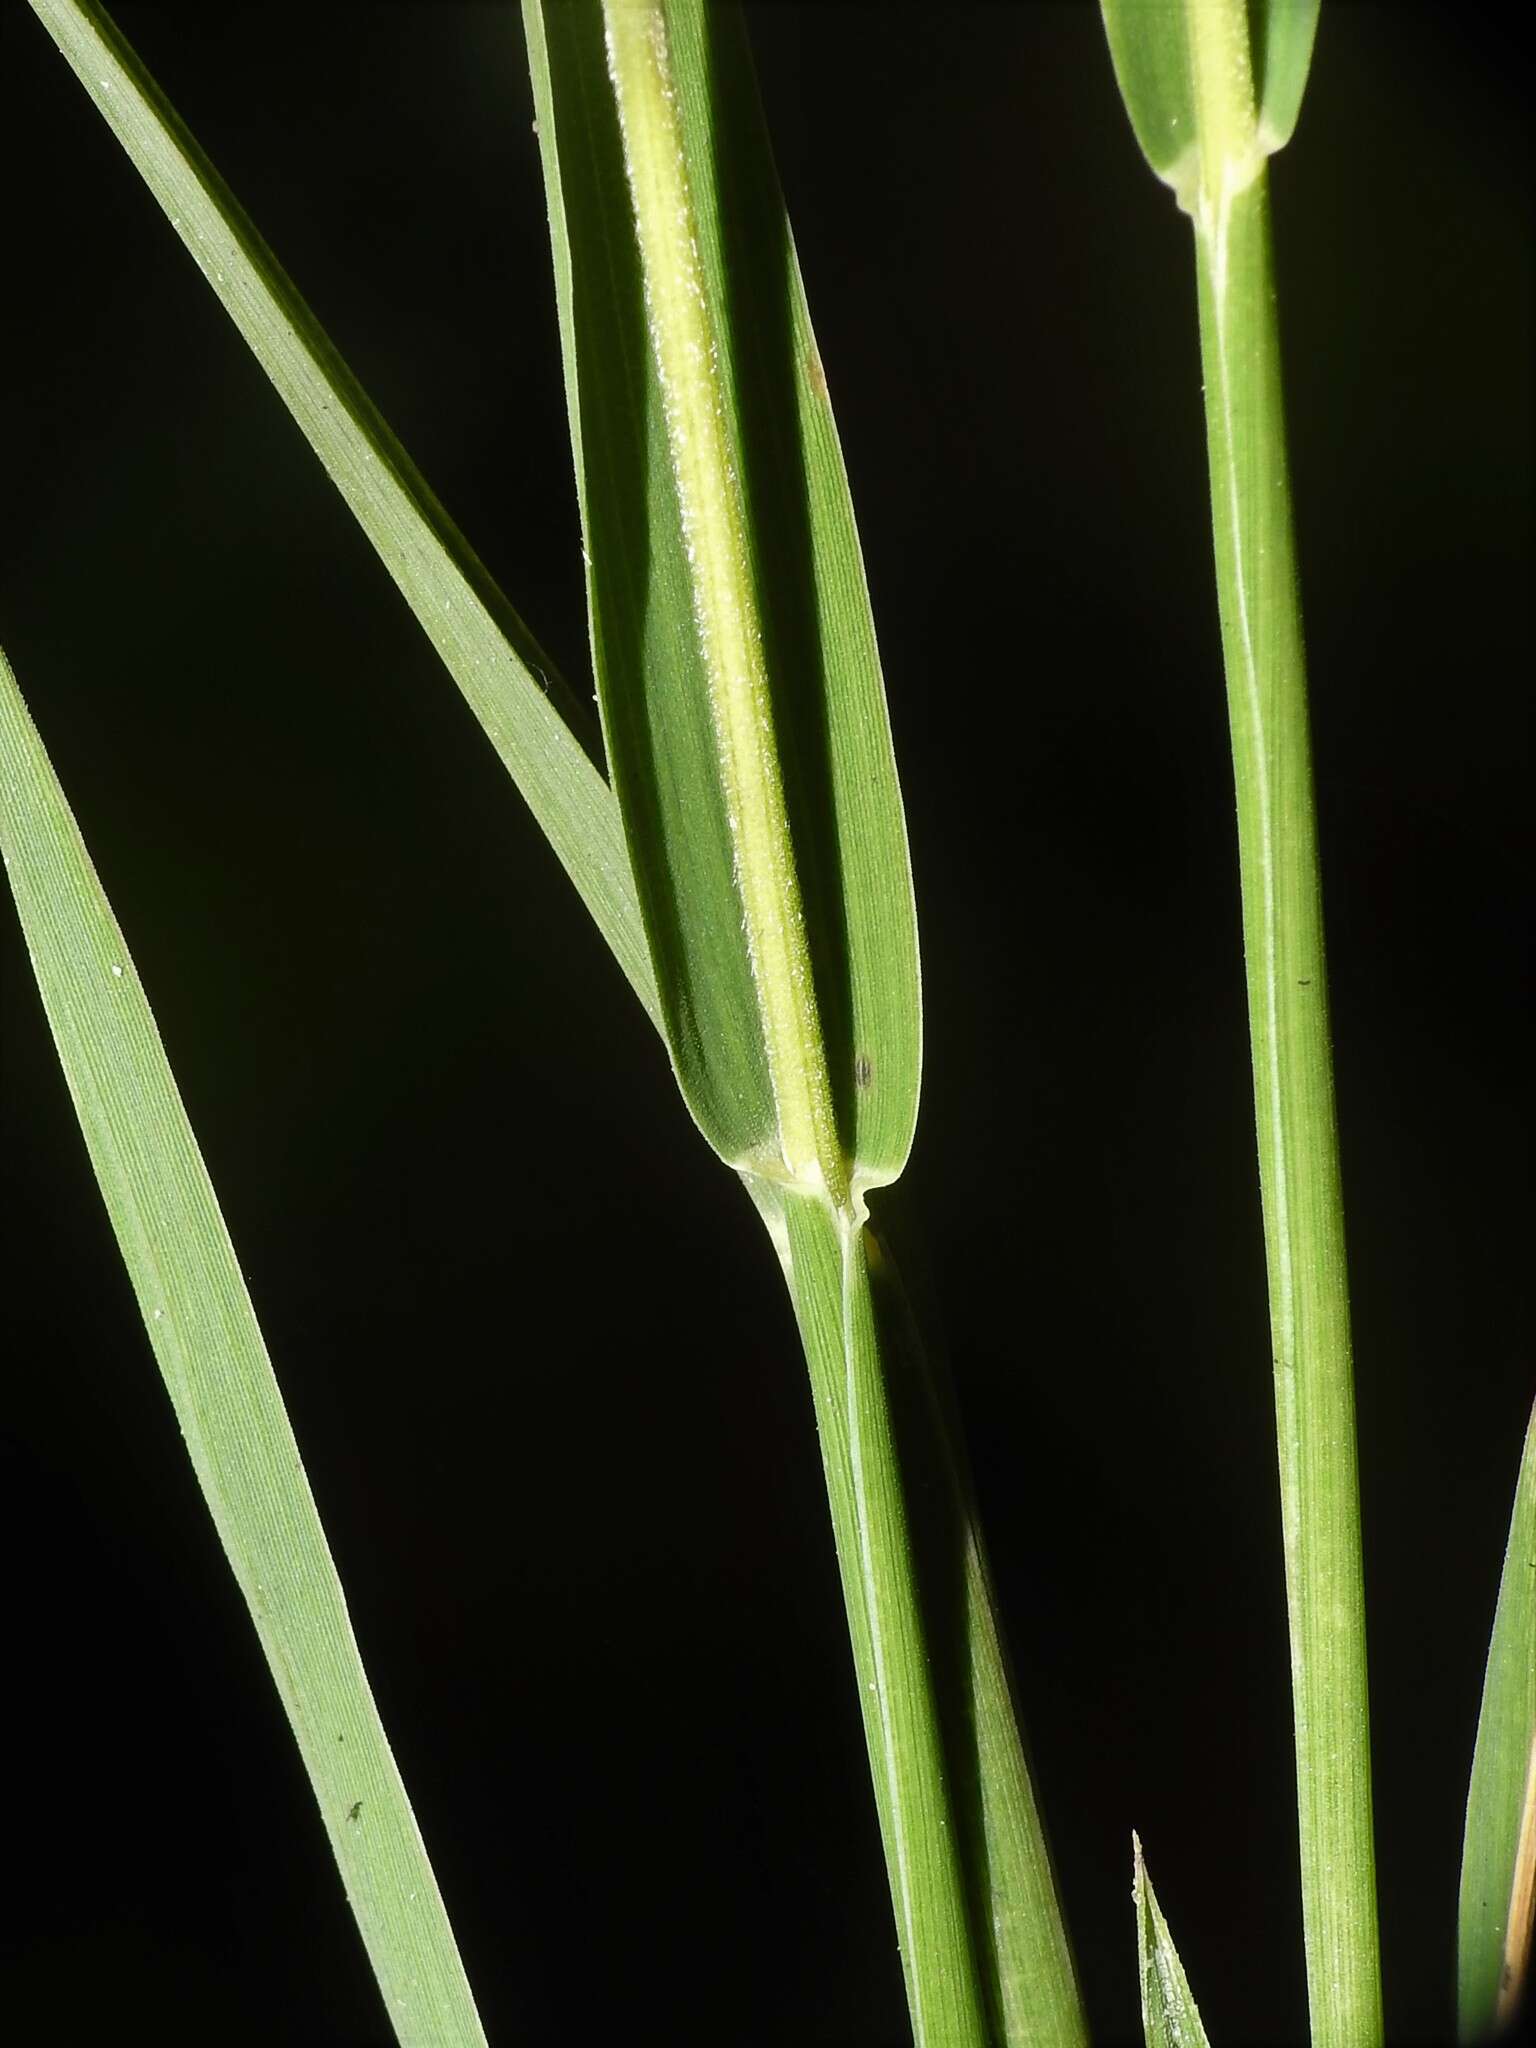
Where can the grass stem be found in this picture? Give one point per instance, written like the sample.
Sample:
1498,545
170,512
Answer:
1293,1092
826,1262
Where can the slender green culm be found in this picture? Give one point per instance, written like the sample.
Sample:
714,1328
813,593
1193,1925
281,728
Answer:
1187,74
827,1263
203,1332
1297,1131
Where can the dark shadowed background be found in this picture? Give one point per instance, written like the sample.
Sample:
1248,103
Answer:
533,1342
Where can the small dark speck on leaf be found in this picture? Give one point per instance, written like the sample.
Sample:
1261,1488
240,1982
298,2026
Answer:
1305,984
863,1070
354,1809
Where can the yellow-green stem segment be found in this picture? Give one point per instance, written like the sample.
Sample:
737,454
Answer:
709,493
1288,1021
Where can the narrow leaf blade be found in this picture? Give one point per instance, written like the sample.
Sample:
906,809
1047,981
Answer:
1169,2018
1498,1864
1026,1952
508,682
205,1338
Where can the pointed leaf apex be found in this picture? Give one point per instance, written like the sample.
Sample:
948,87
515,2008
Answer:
1498,1860
1169,2017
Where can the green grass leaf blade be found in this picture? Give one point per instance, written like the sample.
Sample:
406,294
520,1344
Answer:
1169,2018
1212,87
510,685
741,692
1498,1862
203,1331
1284,32
1026,1954
1149,47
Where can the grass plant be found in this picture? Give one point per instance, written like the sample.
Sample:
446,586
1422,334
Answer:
736,832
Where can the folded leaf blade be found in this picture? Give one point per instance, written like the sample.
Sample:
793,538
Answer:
1212,87
742,700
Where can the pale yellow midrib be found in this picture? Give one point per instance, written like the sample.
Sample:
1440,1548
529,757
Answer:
1226,125
687,359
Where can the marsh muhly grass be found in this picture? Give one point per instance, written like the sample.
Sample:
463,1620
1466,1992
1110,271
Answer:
979,1928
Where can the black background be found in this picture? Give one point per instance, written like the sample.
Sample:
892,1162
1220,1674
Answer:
534,1347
